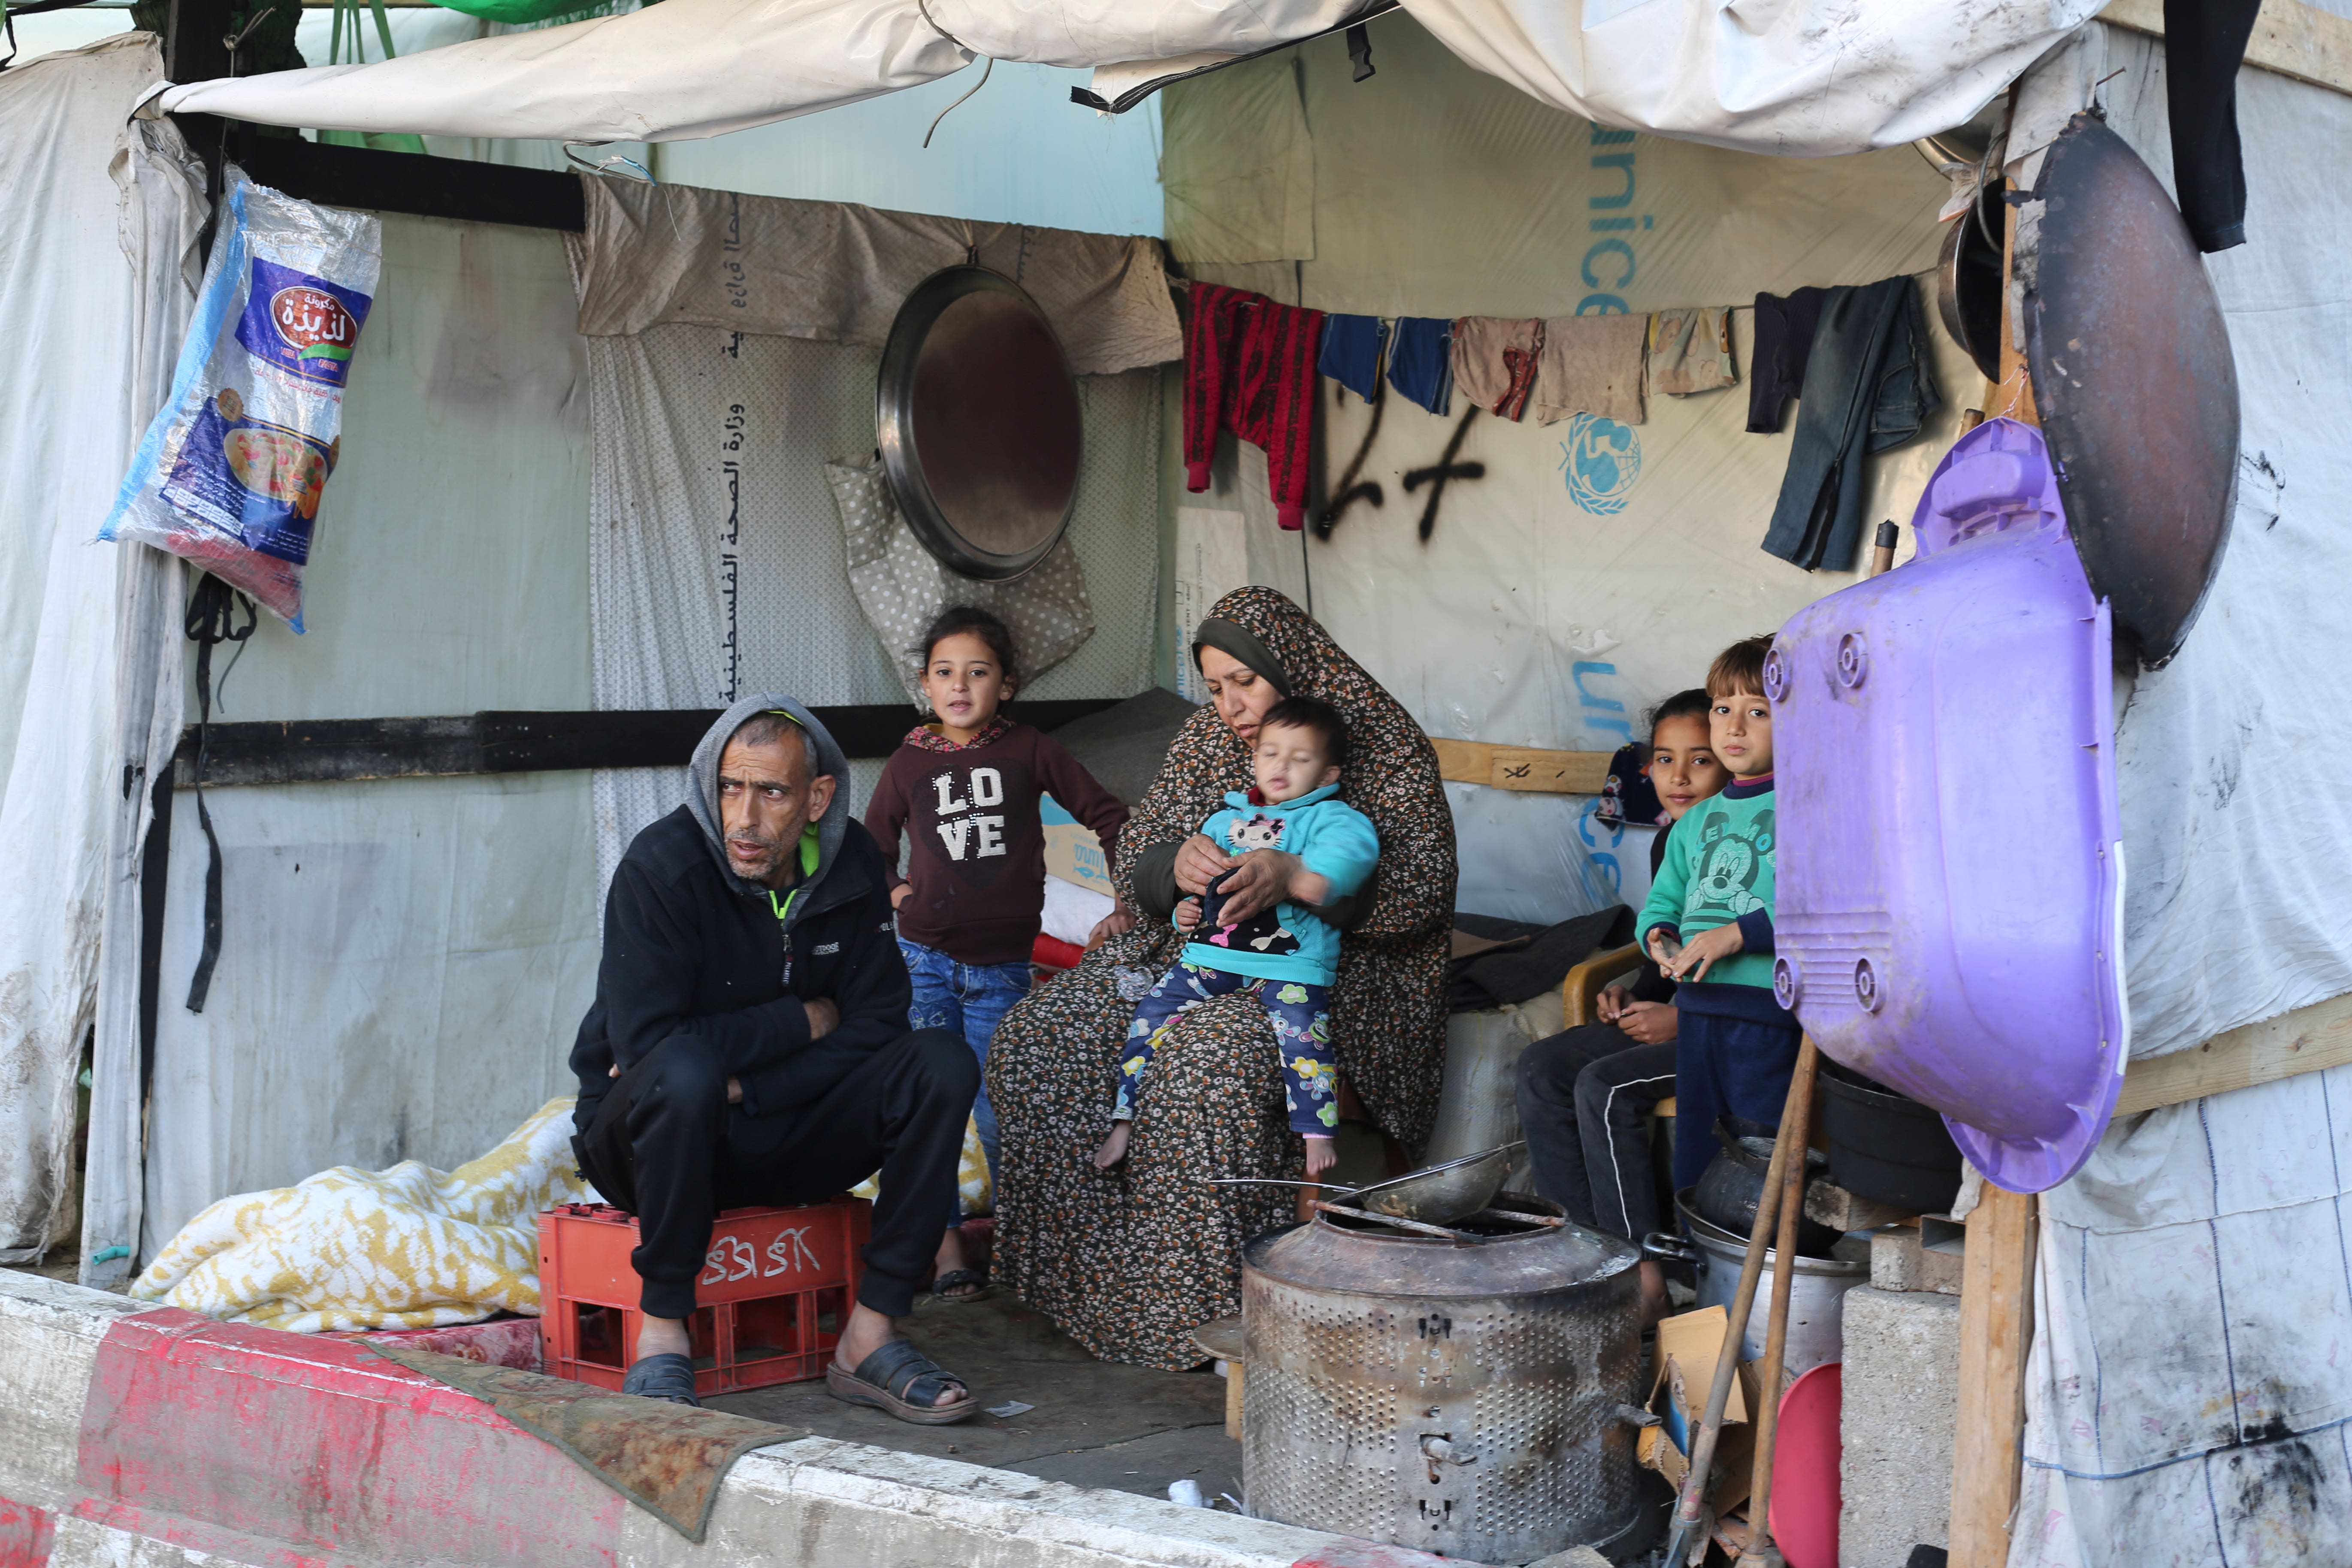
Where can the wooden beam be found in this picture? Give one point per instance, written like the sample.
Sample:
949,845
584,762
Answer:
2305,1040
1995,1326
1530,769
2291,39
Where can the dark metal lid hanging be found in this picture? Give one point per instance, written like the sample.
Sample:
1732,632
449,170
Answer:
2134,380
978,420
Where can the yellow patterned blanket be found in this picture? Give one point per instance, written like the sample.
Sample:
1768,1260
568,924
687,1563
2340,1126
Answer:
410,1248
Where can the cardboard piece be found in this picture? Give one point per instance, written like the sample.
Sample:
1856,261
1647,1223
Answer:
1688,1346
1072,853
1464,945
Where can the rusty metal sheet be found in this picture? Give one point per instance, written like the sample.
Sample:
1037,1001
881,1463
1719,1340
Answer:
2135,383
978,419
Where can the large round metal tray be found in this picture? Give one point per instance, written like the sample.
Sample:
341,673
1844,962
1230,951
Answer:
2135,385
978,420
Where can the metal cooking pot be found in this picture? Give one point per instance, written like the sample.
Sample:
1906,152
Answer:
1731,1188
1816,1297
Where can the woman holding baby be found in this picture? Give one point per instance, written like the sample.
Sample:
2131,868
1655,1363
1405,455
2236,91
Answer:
1129,1254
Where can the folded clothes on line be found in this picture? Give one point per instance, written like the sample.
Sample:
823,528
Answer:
1592,364
1495,362
1420,361
1690,351
1351,353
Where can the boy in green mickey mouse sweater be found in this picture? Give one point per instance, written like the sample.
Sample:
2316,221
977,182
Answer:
1709,924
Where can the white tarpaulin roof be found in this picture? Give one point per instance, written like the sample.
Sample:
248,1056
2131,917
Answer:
1798,77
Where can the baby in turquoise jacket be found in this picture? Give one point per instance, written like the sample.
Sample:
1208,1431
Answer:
1287,956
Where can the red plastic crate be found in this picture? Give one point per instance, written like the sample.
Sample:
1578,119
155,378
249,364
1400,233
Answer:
776,1287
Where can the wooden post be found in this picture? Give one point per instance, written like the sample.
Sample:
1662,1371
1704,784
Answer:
1996,1327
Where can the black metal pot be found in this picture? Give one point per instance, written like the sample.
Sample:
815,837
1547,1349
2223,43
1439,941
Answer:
1885,1146
1731,1186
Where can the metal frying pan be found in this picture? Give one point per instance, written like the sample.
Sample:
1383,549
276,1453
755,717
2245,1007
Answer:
1437,1195
978,420
2134,382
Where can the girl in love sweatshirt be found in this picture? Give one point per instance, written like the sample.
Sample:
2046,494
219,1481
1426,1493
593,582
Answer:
977,864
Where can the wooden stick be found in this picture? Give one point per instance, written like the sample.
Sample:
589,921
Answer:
1795,1125
1996,1328
1692,1502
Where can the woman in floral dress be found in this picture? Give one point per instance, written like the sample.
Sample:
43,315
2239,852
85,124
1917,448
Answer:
1130,1261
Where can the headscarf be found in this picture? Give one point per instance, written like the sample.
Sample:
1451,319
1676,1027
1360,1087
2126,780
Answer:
1391,773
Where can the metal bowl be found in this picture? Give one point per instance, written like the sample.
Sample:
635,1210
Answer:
1442,1194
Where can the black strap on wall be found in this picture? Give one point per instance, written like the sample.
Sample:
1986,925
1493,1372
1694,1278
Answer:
212,616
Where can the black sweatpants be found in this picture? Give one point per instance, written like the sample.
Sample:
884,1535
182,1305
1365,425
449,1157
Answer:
1584,1104
675,1153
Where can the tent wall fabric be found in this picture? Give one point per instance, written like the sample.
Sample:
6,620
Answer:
654,255
1558,595
91,310
2189,1390
717,560
163,189
404,961
1814,77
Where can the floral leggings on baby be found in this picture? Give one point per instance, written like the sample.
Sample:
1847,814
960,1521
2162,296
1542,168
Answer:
1301,1015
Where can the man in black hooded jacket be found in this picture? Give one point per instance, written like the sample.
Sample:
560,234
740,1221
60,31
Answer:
749,1046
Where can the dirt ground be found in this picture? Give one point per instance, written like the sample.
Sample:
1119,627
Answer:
1125,1428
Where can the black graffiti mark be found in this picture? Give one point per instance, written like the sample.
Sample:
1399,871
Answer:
1347,492
1445,469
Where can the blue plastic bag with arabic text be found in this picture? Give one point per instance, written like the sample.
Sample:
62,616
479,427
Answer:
230,473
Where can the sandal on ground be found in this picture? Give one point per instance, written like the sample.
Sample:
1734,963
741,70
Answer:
665,1376
949,1288
902,1381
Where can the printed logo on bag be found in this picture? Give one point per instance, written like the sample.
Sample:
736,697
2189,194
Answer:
300,324
256,482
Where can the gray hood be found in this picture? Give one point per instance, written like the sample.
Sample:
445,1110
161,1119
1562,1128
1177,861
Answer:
702,791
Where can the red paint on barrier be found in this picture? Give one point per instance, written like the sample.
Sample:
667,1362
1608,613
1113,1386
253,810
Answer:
26,1534
1372,1555
230,1438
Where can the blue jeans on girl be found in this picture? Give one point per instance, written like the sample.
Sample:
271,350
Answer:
968,998
1301,1015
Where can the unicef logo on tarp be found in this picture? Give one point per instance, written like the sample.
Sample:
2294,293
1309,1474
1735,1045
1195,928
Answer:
1601,459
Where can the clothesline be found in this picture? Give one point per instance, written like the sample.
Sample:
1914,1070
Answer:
1251,363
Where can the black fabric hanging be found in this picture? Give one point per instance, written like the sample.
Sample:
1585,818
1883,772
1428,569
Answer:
2204,43
212,617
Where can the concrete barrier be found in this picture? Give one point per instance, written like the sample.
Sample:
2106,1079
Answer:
143,1437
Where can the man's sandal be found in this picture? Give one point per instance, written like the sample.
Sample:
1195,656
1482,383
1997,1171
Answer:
950,1286
665,1376
904,1381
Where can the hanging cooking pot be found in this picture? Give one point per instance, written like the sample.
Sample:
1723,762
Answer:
1731,1186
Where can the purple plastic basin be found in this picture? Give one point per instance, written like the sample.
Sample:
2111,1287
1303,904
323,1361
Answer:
1950,877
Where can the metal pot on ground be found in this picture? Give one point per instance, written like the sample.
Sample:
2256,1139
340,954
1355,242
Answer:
1816,1297
1732,1186
1474,1399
